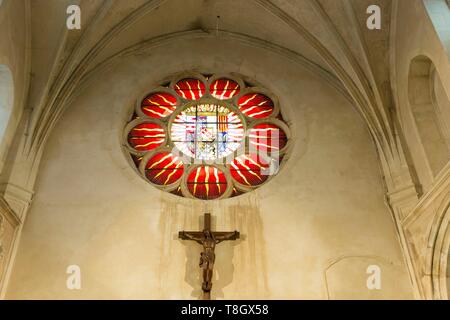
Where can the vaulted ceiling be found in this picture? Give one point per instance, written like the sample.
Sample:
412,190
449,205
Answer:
328,36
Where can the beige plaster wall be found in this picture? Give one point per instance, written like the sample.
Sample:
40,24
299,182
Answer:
326,206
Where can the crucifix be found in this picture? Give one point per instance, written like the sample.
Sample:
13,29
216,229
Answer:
208,239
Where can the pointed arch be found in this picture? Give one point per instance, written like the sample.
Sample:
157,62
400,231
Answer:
426,109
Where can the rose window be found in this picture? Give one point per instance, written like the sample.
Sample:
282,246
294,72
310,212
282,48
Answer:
207,137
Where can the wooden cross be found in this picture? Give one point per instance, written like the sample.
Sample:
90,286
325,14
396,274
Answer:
208,239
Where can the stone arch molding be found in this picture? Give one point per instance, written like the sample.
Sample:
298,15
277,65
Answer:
438,247
80,65
83,76
44,123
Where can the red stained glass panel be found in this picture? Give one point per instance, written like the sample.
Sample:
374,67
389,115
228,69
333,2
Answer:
207,183
190,89
256,105
146,137
164,169
249,170
159,105
267,138
224,89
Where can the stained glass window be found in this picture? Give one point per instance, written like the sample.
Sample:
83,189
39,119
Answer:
250,170
159,105
207,182
207,131
146,136
256,105
223,89
190,89
207,137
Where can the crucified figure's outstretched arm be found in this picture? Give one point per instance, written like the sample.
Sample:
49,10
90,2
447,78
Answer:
226,236
189,236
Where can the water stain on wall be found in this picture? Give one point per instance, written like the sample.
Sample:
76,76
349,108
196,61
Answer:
240,270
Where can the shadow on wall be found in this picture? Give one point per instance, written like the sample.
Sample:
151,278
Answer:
239,264
223,268
430,107
439,12
6,97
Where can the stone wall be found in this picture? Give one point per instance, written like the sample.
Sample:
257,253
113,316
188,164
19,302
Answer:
327,205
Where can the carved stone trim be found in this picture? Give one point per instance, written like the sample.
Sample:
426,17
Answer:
17,198
6,215
224,34
427,235
403,200
441,185
440,245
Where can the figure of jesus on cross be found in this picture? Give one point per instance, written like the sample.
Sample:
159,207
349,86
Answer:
208,239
